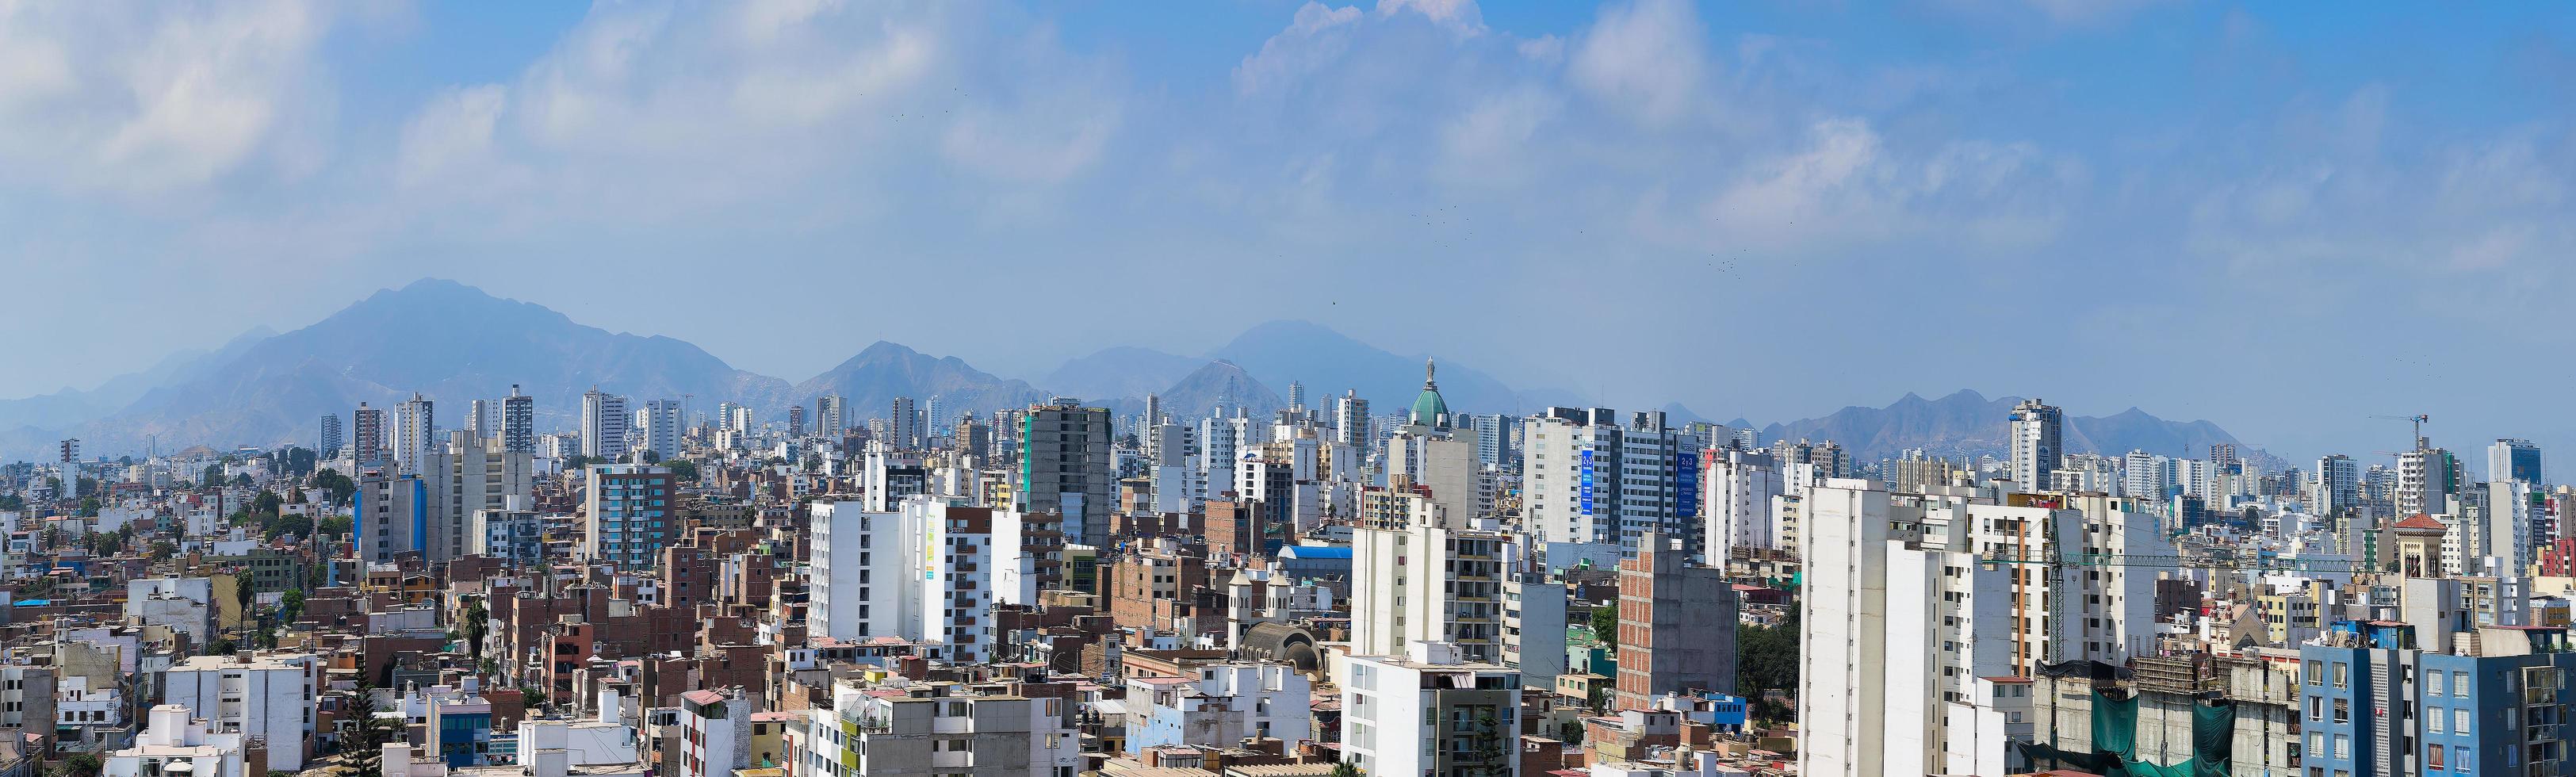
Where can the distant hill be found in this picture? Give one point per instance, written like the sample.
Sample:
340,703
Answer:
1968,424
1120,373
1219,383
1328,363
871,381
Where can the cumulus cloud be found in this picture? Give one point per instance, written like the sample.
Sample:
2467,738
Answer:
1645,59
144,99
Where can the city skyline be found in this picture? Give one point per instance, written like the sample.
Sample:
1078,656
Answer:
2253,193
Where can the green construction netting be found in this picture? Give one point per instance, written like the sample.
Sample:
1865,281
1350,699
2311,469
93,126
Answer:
2115,742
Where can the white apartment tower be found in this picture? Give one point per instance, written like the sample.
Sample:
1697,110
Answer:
2038,432
604,423
1585,478
415,424
1737,493
661,427
925,573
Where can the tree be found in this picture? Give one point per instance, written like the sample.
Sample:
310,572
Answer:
337,486
12,502
78,765
266,503
1766,659
1345,769
298,525
299,460
648,456
478,622
290,605
1605,625
684,470
162,550
245,590
372,733
89,507
575,461
241,480
214,474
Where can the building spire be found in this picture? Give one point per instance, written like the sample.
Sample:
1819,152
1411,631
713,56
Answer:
1427,369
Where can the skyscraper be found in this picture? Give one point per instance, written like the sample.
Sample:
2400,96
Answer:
483,418
368,434
2037,432
2427,478
1351,422
2338,485
519,422
661,427
829,417
330,435
795,420
1585,478
604,422
903,424
415,427
933,419
2516,460
627,517
1065,469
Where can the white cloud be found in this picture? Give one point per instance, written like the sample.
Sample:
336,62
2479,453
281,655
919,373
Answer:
453,131
1645,59
97,96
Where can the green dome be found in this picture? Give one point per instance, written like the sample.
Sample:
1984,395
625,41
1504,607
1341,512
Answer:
1428,408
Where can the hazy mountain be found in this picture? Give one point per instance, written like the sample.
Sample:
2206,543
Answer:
1219,383
870,381
1968,424
71,406
1119,373
450,342
1328,363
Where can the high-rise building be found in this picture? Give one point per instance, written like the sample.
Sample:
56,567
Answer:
627,515
924,573
330,442
467,473
1351,421
2038,433
483,418
1428,582
2516,460
415,431
795,420
367,432
1585,478
1676,626
604,425
1296,396
660,424
1065,469
2427,479
392,516
519,421
1737,501
2337,487
903,425
830,418
1430,711
933,419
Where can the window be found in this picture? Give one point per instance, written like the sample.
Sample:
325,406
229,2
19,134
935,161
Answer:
2342,671
2460,758
2460,724
2342,746
2433,720
2433,758
2460,684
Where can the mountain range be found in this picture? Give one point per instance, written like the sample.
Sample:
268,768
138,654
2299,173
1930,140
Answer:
454,343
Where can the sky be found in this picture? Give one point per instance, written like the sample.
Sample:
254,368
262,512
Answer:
2284,218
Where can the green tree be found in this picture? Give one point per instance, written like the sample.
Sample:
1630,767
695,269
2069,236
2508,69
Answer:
298,525
1345,769
162,550
478,623
266,503
78,765
1766,659
1605,625
299,460
366,751
12,502
214,474
337,486
683,470
332,526
89,507
290,605
241,480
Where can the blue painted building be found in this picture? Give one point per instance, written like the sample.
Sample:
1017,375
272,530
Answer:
2372,704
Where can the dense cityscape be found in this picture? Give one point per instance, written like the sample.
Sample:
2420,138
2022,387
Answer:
1286,388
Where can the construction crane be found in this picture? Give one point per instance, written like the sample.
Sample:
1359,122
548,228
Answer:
2262,562
2419,419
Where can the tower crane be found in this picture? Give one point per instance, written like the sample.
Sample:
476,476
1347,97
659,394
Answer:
2419,420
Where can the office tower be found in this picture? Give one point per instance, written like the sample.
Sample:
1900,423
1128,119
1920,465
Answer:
392,516
1430,711
903,425
482,418
1898,650
795,420
415,427
1064,468
829,419
932,420
2038,432
923,573
1585,478
604,424
519,421
1428,582
626,515
2427,479
1738,492
2510,459
1676,626
330,436
660,424
1351,421
1296,396
467,473
2338,485
725,420
367,432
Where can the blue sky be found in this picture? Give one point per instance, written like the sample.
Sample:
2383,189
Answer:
2283,218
